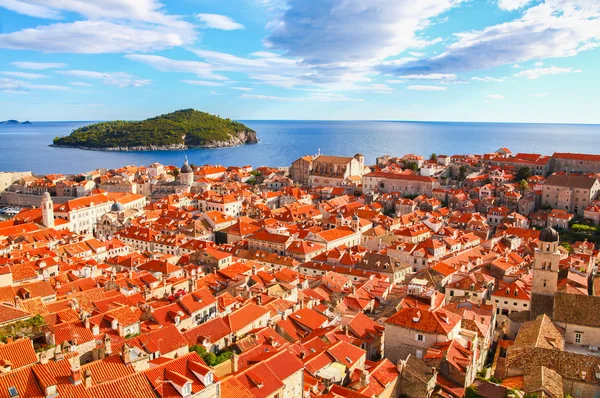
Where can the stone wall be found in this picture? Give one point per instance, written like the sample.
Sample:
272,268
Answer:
23,200
577,370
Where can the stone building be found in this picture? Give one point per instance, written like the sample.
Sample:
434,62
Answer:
406,184
334,171
545,273
301,168
575,162
570,192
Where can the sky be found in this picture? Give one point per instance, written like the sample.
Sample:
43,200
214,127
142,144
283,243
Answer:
430,60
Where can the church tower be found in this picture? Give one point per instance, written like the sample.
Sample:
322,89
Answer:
47,211
186,175
545,273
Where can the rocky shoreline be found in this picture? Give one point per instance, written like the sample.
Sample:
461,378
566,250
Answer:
245,137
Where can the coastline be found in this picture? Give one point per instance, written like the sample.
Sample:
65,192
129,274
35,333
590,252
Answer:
176,147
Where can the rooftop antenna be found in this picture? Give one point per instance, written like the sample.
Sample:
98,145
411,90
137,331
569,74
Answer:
319,151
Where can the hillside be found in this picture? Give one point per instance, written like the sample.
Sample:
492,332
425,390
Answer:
181,129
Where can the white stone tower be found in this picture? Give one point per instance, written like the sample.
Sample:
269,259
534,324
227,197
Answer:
186,175
47,211
546,264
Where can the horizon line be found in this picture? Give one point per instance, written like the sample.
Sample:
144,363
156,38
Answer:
331,120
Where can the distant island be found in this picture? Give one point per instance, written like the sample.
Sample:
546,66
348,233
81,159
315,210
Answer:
12,121
183,129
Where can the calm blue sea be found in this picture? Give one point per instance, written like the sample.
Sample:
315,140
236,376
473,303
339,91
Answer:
25,147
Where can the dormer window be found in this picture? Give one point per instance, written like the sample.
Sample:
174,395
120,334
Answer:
186,390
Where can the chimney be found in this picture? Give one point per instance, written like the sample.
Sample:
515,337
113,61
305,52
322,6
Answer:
235,360
107,344
400,366
259,299
88,378
76,378
126,354
365,378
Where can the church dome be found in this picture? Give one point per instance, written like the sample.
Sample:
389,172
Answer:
549,234
117,207
186,168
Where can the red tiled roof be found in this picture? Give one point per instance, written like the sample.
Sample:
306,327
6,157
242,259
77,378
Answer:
439,321
19,353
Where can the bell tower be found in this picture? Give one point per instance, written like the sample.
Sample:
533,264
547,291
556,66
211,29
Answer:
546,264
47,211
545,274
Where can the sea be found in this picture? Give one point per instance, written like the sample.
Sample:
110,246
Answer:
26,147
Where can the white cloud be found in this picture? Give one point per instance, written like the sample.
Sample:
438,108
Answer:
551,29
511,5
22,87
431,76
80,84
426,88
38,65
395,81
29,9
213,92
539,63
539,72
241,88
111,26
516,66
120,79
331,97
94,37
24,75
149,11
203,83
163,64
539,95
495,96
488,79
416,54
335,36
216,21
267,97
325,97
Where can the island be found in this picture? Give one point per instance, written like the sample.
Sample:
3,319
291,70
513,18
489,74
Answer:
183,129
12,121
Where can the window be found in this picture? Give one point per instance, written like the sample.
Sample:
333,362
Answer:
420,337
578,337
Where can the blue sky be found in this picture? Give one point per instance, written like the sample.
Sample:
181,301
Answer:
448,60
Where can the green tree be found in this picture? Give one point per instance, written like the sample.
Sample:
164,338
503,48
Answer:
471,392
567,246
462,173
524,185
210,358
433,157
523,173
411,166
